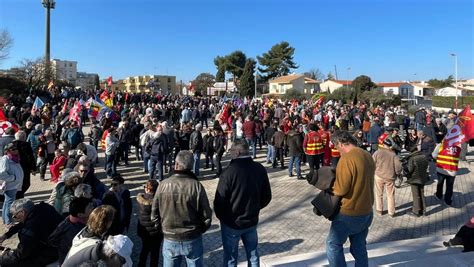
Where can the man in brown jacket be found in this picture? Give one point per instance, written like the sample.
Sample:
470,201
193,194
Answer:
387,167
355,185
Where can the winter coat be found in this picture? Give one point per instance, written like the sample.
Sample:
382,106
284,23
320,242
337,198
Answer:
195,142
279,139
249,129
57,166
219,144
182,207
269,132
417,169
85,247
62,237
33,249
111,144
243,190
145,227
5,140
64,196
123,206
12,173
295,144
208,141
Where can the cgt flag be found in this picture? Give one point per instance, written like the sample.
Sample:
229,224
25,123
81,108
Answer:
109,81
463,129
4,123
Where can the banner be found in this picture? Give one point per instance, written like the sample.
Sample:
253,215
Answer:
109,81
75,113
463,129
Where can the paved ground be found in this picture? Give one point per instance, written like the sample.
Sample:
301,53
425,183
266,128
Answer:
288,225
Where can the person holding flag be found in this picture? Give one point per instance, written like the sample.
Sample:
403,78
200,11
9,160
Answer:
447,153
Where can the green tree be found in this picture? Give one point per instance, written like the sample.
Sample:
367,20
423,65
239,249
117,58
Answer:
363,83
314,74
330,77
96,81
220,63
278,61
202,82
235,63
346,95
247,80
442,83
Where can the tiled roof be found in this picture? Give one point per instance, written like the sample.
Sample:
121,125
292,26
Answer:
396,84
343,82
309,80
286,78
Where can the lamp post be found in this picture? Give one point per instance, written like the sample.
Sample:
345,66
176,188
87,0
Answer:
255,94
48,4
456,79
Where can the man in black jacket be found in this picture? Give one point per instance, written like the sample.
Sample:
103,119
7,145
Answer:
243,190
27,161
219,148
35,224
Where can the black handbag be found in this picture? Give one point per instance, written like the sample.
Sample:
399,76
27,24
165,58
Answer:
326,204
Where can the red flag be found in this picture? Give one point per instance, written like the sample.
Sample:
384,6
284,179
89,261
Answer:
75,113
64,109
463,129
126,96
109,81
104,96
4,123
319,101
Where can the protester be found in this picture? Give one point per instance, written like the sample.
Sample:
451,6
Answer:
417,177
11,179
387,168
35,224
119,198
183,222
464,237
243,190
447,161
149,233
355,185
7,137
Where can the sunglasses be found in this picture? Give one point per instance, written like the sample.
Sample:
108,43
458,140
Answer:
15,216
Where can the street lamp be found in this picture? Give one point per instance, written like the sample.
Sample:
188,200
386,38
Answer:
456,78
48,4
256,74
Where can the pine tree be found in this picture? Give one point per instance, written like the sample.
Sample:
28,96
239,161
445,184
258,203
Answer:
247,80
278,61
220,63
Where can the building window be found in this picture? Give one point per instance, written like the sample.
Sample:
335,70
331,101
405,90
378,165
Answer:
419,92
169,79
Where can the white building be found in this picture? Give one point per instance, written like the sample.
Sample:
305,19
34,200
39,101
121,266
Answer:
390,88
331,85
416,91
65,70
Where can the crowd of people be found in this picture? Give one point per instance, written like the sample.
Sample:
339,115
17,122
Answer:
85,222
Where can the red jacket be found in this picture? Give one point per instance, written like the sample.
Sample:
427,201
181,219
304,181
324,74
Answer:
249,129
57,167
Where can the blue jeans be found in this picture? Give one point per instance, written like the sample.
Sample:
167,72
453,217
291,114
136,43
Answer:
354,227
10,196
230,242
252,143
110,165
296,160
146,158
155,168
197,161
270,153
174,251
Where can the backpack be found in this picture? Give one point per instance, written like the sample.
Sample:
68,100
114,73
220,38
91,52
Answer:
74,138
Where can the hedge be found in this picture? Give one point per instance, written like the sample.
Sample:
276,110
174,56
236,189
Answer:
450,101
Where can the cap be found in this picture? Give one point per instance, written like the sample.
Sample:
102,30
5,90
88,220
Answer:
122,245
452,112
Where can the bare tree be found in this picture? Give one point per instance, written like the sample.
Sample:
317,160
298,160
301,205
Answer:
34,73
6,42
315,74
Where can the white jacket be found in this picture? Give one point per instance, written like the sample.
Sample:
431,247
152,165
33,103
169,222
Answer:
12,173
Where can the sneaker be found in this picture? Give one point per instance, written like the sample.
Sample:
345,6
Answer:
412,214
447,244
290,174
437,197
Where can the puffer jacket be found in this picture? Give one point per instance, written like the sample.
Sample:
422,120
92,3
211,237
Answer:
417,168
145,227
182,207
12,173
279,139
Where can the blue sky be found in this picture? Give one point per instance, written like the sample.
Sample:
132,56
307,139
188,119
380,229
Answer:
388,40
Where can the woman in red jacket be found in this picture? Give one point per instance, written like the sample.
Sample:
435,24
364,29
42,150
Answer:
57,166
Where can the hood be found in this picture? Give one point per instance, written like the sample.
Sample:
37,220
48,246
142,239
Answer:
144,199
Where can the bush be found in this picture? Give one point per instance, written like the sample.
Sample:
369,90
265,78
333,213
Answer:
344,94
450,101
